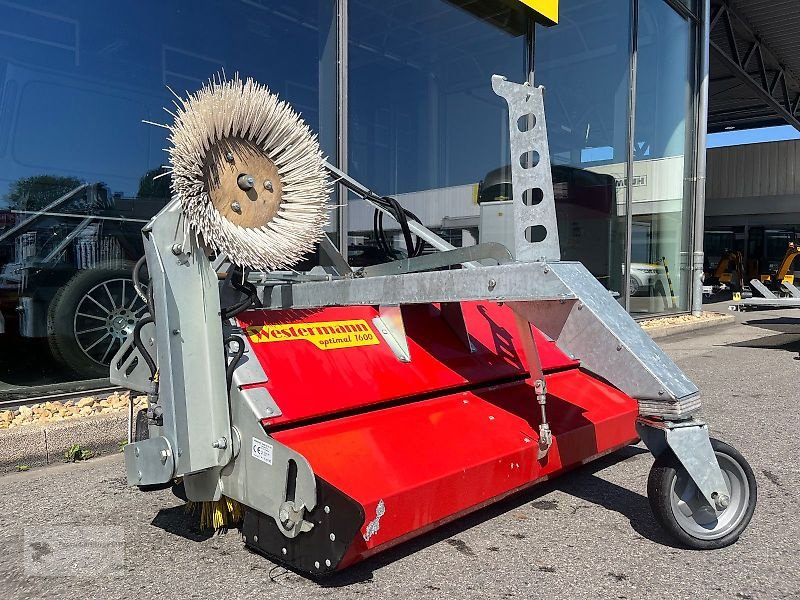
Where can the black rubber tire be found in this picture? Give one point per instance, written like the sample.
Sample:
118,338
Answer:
60,320
659,491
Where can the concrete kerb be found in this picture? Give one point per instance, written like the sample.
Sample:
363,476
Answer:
39,445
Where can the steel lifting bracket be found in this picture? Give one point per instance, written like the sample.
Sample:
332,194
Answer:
690,442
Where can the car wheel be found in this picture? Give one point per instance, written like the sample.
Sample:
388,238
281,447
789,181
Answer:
90,317
634,287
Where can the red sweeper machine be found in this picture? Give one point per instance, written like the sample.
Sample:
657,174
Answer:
340,412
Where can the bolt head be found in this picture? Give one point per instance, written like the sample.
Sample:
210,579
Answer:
327,562
177,249
333,537
236,207
229,156
723,502
327,510
283,551
268,185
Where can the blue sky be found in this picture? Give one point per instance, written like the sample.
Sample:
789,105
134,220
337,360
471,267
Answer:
752,136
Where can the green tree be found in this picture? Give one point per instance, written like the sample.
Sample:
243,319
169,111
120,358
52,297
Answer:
149,187
34,193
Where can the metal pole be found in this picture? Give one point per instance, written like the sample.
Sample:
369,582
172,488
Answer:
341,116
626,295
700,164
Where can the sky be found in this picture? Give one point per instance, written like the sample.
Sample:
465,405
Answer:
752,136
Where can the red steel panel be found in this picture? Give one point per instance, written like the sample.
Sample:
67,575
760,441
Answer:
429,461
313,371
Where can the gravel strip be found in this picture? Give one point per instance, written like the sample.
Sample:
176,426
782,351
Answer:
51,412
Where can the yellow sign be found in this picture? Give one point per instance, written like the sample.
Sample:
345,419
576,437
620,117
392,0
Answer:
788,279
546,8
325,335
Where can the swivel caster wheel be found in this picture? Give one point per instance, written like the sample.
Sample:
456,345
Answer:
685,514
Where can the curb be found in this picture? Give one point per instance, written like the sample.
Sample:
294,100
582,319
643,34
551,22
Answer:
40,445
662,332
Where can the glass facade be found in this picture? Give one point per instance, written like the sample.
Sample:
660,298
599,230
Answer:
404,103
662,136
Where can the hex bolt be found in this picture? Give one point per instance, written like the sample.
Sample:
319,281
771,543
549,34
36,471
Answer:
492,284
236,207
327,562
327,510
229,156
268,185
722,501
177,249
333,537
221,443
245,182
316,564
283,551
176,332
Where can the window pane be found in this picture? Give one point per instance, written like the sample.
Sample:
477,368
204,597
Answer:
77,80
661,208
424,123
584,64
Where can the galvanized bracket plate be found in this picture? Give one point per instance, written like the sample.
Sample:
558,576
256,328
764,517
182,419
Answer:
535,225
128,368
390,325
149,462
690,442
264,470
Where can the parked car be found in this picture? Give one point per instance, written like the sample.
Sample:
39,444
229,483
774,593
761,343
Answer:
67,275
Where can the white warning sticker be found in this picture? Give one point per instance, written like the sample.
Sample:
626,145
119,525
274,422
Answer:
262,451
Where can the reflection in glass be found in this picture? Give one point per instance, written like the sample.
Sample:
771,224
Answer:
78,168
584,64
424,123
660,202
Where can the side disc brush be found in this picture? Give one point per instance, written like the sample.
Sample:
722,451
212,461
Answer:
249,174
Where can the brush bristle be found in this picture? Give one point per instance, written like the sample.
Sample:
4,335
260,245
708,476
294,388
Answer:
246,110
218,515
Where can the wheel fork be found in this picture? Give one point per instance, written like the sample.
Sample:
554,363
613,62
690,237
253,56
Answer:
690,443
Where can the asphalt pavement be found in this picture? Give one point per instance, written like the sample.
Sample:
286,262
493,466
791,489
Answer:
588,534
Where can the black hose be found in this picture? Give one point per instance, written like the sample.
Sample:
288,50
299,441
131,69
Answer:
137,341
231,366
402,216
247,288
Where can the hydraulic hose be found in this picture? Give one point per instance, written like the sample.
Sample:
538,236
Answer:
137,341
231,366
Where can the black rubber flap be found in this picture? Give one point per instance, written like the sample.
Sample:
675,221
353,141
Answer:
337,521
